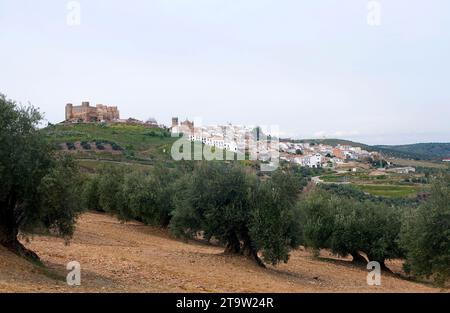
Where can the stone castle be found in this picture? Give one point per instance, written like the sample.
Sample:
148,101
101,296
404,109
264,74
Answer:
87,113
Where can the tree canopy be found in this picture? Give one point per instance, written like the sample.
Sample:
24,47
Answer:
38,188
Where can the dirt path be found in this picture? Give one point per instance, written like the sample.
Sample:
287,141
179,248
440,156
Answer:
132,257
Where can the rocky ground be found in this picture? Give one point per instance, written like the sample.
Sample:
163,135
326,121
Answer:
132,257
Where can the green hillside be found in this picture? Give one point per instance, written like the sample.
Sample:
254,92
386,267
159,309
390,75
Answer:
119,142
428,151
94,144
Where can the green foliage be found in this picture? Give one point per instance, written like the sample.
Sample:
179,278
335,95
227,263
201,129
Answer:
142,195
426,234
59,191
230,204
275,220
426,151
149,196
90,194
70,145
116,147
133,140
380,230
99,145
391,191
347,226
214,199
303,174
350,191
318,211
37,189
85,145
110,189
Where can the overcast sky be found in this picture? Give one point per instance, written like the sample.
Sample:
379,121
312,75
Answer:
315,68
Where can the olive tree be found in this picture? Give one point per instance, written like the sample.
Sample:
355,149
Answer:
229,203
426,234
38,189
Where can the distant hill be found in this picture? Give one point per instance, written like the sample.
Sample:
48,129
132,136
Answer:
427,151
418,151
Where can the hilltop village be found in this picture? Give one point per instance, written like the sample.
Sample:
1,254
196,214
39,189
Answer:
238,139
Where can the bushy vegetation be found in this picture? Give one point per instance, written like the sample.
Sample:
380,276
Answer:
350,191
426,234
394,191
425,151
348,227
99,145
348,222
263,216
85,145
38,188
216,200
70,146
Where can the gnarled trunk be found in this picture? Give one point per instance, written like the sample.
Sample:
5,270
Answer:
358,258
9,232
233,245
249,251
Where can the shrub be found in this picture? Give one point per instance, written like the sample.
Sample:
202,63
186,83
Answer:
149,196
91,195
347,227
228,203
110,186
426,235
116,147
70,146
85,145
99,145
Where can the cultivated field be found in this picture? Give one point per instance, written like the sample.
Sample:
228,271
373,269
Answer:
132,257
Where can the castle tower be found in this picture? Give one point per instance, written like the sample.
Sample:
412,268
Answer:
69,107
174,121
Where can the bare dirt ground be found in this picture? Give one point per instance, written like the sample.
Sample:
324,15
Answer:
132,257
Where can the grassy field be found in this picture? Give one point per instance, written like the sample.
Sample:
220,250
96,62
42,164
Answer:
386,185
135,137
140,147
365,178
93,165
138,143
430,164
397,191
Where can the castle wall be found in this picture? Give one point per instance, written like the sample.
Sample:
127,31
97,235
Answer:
87,113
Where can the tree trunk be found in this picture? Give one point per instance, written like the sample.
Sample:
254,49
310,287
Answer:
358,258
8,234
233,245
249,251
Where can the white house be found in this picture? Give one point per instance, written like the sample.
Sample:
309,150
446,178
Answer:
314,160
